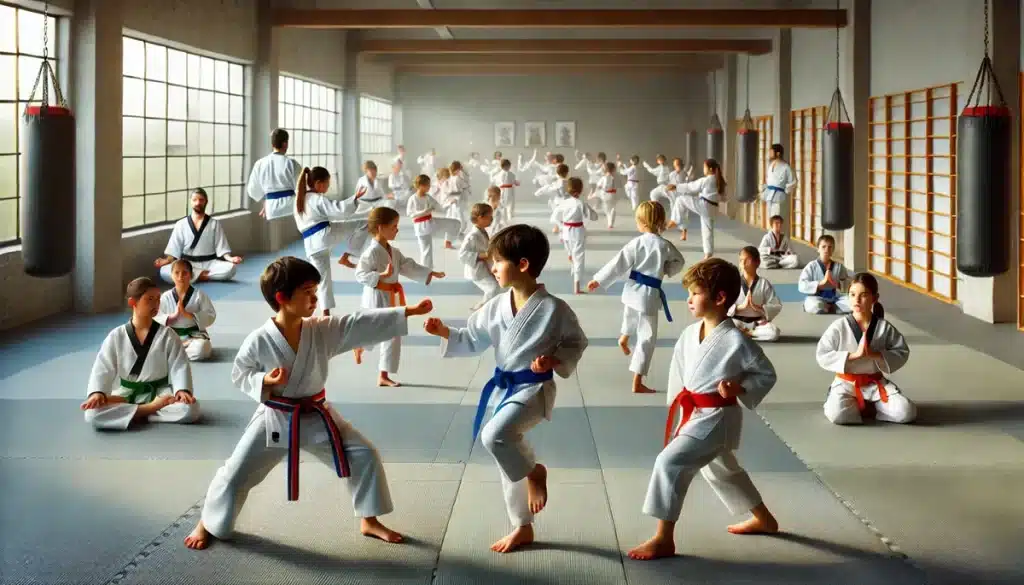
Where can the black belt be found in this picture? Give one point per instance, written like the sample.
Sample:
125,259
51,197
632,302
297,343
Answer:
746,319
203,258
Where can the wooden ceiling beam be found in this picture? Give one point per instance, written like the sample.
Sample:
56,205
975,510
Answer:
556,59
573,46
484,18
504,70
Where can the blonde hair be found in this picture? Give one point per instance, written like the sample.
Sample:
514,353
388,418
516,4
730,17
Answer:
443,173
455,167
651,215
380,216
493,191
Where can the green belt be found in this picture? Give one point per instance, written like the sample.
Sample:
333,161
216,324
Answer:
147,390
181,331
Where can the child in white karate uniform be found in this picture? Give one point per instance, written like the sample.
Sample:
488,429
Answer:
702,197
572,213
500,218
863,350
283,365
324,223
507,182
534,336
644,263
758,305
714,368
370,190
189,312
607,193
378,271
631,172
141,371
398,183
774,247
660,172
823,280
474,256
456,202
594,169
426,162
421,209
556,191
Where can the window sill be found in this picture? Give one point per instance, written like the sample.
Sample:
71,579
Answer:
151,229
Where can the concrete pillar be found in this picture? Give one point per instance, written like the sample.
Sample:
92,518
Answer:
95,96
855,85
994,299
783,58
727,82
352,162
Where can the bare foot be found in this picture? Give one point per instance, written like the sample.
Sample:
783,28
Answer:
199,538
344,261
384,380
670,225
358,353
448,244
655,548
624,344
555,230
373,528
683,237
640,388
537,488
755,525
519,537
611,227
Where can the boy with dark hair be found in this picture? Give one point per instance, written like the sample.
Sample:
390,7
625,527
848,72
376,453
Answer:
274,177
774,247
823,281
714,366
534,335
283,366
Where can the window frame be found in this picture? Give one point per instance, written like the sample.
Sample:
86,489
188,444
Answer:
369,120
334,133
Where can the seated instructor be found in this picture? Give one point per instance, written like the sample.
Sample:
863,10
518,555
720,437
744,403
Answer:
200,239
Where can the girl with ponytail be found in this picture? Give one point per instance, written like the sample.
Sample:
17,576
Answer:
324,223
862,350
701,197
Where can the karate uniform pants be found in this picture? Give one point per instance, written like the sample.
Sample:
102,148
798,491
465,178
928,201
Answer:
767,332
489,286
325,290
504,438
819,306
575,240
789,261
707,212
251,461
645,329
218,270
841,405
774,200
508,201
660,195
426,250
633,192
197,348
390,355
608,208
678,463
118,416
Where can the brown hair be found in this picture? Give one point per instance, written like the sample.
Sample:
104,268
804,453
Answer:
661,158
609,167
422,180
869,282
455,167
443,173
182,262
285,275
715,276
752,253
139,287
519,242
201,191
370,165
479,210
559,158
716,170
562,171
652,215
380,216
279,138
575,185
774,218
307,181
494,190
506,164
635,159
677,162
825,238
602,157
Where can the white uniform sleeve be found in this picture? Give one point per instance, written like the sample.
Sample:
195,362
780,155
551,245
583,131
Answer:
178,369
759,377
362,329
571,344
895,351
247,373
808,284
471,340
104,370
831,357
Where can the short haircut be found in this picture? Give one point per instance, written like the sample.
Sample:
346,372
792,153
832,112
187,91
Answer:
752,253
521,241
779,150
422,180
201,191
139,287
825,238
562,171
183,263
279,138
380,216
370,165
775,218
575,185
652,215
506,164
479,210
715,276
559,158
286,275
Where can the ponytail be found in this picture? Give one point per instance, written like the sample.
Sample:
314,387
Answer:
716,169
307,181
878,311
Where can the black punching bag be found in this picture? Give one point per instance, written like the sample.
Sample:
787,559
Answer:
716,139
48,203
983,191
837,176
747,186
692,149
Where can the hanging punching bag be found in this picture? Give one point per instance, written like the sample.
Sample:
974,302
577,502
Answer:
48,203
983,190
716,139
746,165
692,149
837,176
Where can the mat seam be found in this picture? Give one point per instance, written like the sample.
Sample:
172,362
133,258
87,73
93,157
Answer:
129,568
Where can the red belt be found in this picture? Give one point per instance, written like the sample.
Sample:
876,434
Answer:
688,401
572,223
506,186
423,218
295,407
394,290
609,191
861,380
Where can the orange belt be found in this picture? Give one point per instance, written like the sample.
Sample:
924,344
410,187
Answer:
609,190
861,380
688,401
507,186
423,218
395,291
572,223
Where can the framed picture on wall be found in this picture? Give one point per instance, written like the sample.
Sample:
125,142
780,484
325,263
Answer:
535,134
565,134
504,134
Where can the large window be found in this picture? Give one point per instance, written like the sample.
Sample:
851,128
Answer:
309,112
375,130
21,52
184,127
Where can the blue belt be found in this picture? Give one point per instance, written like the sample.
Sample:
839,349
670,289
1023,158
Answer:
506,381
644,280
280,195
314,229
829,294
774,188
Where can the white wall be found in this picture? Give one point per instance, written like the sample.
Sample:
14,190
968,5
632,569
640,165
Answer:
636,115
764,77
318,55
376,79
814,67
